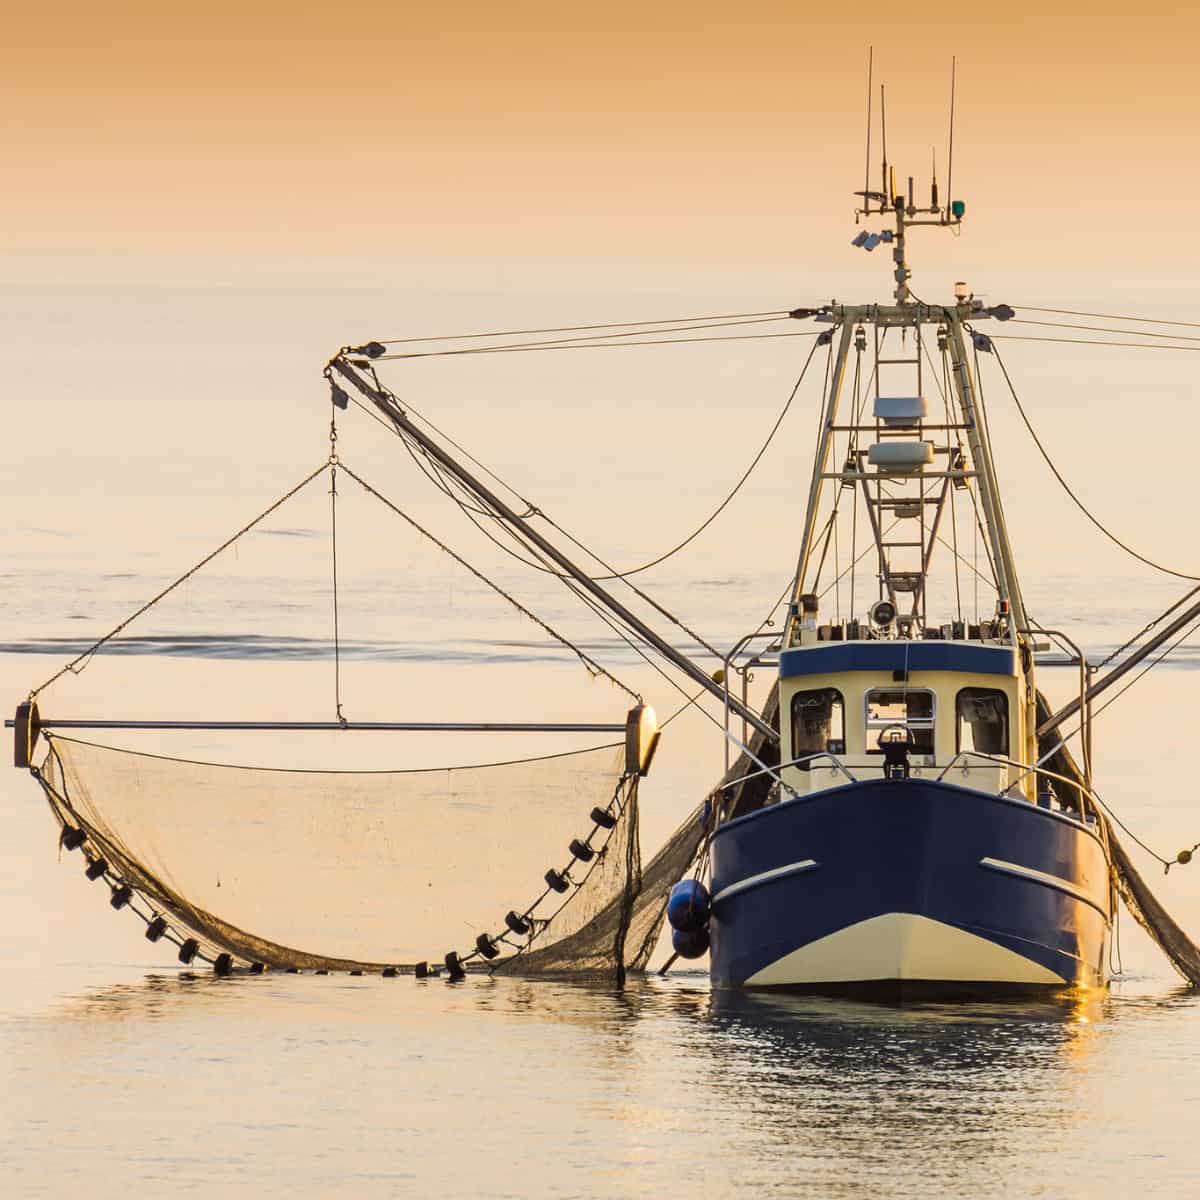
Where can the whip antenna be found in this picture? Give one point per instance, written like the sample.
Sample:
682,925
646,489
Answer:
950,162
883,135
870,97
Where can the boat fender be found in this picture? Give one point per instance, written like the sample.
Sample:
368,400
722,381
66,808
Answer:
188,951
156,928
690,943
604,819
560,883
516,923
581,850
96,868
688,906
121,896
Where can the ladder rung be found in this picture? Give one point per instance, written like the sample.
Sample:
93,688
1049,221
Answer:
884,362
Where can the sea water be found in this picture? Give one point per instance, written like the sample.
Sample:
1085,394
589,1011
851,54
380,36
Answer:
122,1073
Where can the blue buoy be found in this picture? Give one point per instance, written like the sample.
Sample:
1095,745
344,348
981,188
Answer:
691,943
688,905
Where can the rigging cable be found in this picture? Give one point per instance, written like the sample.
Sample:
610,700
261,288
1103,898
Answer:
1178,337
532,346
74,666
1070,312
1146,628
1112,537
593,667
1019,337
457,337
337,644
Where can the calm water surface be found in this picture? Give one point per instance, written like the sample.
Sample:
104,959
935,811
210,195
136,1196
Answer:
121,1075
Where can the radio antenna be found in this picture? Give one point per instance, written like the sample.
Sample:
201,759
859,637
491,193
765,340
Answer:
883,132
950,163
870,97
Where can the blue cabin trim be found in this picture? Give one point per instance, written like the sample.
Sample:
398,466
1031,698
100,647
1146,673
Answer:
897,656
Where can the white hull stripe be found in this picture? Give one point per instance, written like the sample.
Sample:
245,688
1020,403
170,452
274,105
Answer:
744,885
1054,881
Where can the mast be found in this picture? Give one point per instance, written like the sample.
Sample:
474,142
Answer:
901,467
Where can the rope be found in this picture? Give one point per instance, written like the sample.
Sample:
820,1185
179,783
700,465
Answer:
592,666
455,337
1070,312
1179,337
737,487
73,667
520,347
1146,629
1112,537
1018,337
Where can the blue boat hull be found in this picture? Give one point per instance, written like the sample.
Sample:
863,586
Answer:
908,882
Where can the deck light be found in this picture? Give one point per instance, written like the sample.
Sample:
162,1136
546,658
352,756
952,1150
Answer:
859,238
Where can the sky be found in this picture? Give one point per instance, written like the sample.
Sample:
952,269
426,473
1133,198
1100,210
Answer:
531,143
203,202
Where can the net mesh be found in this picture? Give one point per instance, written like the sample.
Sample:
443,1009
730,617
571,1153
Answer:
373,870
364,870
1141,902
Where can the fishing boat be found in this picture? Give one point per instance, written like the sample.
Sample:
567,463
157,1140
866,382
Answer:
915,837
901,815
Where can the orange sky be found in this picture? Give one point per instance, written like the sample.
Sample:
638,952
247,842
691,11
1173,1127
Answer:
632,138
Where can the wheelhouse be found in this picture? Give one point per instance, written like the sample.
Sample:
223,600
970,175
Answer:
963,709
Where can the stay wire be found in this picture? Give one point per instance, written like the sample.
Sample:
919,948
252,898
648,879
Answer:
597,338
593,667
1146,628
1070,312
544,565
1021,337
1112,537
74,666
456,337
444,485
337,643
1178,337
540,346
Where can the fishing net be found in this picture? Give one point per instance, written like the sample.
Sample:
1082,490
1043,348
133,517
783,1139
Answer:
366,870
1141,902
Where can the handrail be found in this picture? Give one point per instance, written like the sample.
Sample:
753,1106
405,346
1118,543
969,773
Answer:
837,762
1081,788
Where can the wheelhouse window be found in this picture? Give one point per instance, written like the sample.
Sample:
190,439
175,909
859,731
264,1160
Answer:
818,723
983,720
911,708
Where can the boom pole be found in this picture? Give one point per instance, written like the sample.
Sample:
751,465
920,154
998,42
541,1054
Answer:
386,403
